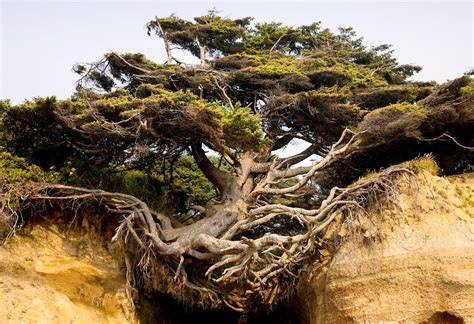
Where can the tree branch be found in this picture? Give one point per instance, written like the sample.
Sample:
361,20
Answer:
218,178
469,148
297,158
282,141
164,35
262,187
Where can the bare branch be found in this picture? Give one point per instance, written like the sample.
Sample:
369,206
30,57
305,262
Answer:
469,148
224,93
334,153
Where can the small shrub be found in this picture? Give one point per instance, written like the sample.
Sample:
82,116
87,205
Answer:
16,169
467,90
424,163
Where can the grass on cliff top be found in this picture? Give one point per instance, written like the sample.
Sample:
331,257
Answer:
424,163
417,166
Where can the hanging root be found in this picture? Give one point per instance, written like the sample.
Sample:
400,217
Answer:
270,264
233,269
11,219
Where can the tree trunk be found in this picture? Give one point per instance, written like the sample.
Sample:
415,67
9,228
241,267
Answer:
202,52
167,45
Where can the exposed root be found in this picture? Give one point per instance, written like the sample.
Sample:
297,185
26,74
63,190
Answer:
233,270
223,259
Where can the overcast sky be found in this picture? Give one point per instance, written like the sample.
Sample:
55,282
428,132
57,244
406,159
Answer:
41,40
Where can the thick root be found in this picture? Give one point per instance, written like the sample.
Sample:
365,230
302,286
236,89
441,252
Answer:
195,265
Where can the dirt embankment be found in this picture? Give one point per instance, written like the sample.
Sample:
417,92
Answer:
47,276
420,269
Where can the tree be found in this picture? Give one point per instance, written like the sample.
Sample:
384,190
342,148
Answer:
257,89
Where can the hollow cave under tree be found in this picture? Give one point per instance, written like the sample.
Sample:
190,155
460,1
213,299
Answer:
256,89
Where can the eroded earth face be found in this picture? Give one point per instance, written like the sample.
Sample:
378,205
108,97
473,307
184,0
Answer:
46,278
421,270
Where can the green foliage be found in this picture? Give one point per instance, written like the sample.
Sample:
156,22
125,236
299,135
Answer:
136,183
116,70
5,136
169,185
184,176
323,113
392,94
151,97
236,129
322,70
346,73
16,169
82,171
170,108
33,129
424,163
140,60
279,64
242,129
405,108
336,93
266,35
466,90
218,34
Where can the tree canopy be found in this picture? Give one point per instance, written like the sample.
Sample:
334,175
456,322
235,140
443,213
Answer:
239,222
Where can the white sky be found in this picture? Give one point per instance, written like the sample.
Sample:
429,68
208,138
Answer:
41,40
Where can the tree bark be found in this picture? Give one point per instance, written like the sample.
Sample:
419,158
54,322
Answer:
202,52
164,35
218,178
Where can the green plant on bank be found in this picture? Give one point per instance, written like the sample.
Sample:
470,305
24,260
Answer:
15,169
424,163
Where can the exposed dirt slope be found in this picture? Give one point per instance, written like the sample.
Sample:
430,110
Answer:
46,278
421,269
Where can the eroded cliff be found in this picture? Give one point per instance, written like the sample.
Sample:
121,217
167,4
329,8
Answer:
414,263
52,273
418,268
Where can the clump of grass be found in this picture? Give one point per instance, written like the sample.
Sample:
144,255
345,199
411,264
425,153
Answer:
467,90
468,202
364,178
442,193
424,163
